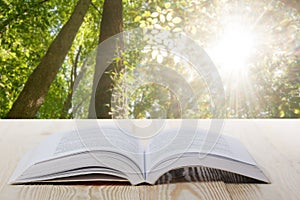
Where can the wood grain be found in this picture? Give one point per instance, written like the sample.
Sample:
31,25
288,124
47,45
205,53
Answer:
209,190
274,144
244,191
264,145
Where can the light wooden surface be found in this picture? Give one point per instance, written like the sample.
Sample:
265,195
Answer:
274,144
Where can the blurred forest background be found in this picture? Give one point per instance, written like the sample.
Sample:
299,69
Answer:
47,57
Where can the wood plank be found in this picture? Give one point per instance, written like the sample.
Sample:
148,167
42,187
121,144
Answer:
79,192
273,143
284,177
244,191
208,190
17,137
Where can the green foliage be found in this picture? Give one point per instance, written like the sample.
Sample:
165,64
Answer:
25,38
269,84
268,87
87,38
27,30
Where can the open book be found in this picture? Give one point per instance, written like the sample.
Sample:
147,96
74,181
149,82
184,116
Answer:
110,154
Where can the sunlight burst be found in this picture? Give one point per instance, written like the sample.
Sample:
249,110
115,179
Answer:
234,47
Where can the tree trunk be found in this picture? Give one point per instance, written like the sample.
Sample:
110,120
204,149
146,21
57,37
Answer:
174,110
111,24
73,76
38,84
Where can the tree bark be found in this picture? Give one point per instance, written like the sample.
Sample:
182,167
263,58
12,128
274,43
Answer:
38,84
111,24
73,76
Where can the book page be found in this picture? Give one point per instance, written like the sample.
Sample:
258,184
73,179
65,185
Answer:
172,143
95,139
77,148
87,140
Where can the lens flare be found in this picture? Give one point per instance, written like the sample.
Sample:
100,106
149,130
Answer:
234,47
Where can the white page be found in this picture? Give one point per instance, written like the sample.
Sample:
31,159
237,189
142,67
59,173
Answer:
209,161
63,144
172,142
68,143
88,177
93,138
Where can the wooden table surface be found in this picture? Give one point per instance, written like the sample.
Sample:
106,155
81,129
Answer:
274,144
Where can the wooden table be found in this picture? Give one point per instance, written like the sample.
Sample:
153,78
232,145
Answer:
274,144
